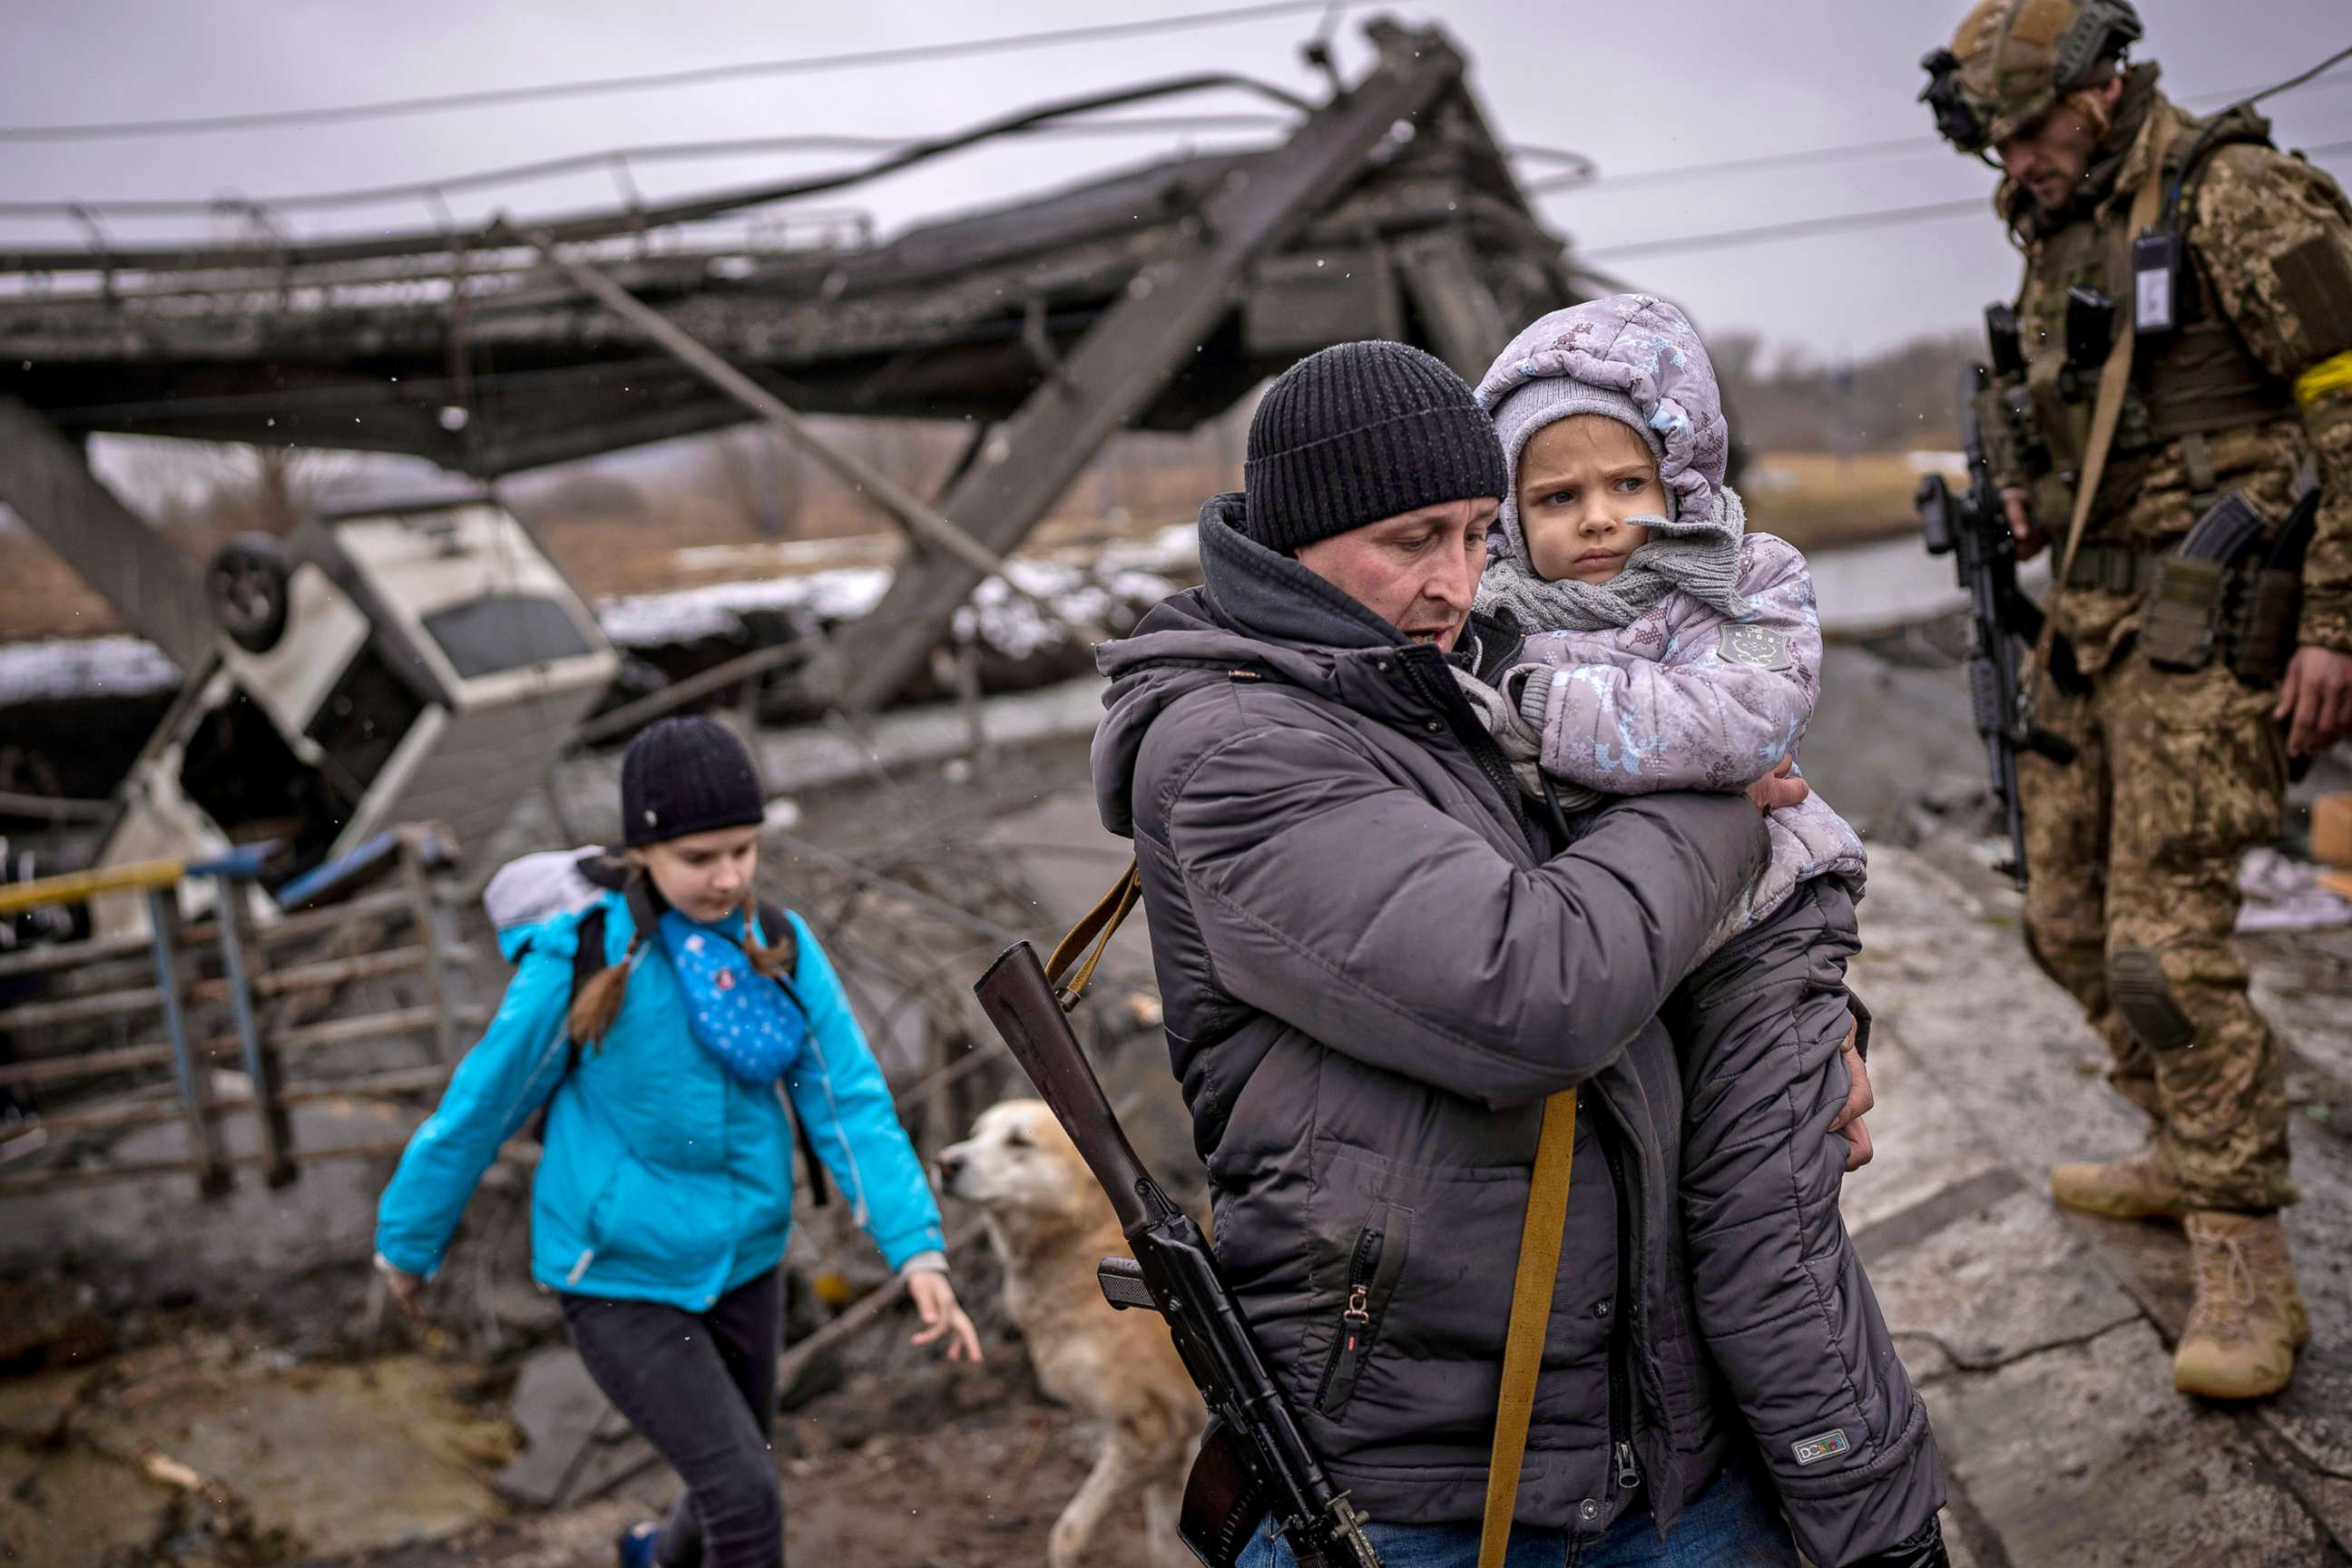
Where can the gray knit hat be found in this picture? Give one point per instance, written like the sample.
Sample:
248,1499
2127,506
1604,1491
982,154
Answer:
1359,432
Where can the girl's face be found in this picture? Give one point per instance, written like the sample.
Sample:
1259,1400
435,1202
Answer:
703,875
1580,479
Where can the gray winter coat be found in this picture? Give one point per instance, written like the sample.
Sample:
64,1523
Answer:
1372,975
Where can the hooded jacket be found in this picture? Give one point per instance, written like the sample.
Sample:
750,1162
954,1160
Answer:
1373,974
1688,698
665,1177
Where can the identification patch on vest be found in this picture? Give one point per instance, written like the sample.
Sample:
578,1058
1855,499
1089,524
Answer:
1821,1445
1759,646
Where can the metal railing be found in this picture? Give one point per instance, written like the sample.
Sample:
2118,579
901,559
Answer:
221,989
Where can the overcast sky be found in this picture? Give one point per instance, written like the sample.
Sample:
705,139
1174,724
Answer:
1746,79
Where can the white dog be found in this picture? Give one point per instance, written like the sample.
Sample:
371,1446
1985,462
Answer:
1051,1225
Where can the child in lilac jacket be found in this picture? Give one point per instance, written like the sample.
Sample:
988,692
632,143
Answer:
1666,647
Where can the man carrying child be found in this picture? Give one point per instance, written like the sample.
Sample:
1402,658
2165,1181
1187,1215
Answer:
1377,957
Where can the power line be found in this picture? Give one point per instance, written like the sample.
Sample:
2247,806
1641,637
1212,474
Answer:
1835,222
500,232
1674,173
649,81
622,159
618,158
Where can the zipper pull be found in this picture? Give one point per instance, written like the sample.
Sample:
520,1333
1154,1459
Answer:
1628,1474
1359,1309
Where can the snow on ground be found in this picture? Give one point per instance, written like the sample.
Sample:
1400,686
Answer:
690,614
112,665
1086,586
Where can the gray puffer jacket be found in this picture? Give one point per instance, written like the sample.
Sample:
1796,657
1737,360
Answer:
1372,975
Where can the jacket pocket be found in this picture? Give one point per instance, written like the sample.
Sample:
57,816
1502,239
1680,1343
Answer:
596,1224
1373,1266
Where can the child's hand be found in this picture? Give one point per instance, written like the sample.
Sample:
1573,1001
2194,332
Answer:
1780,787
935,1301
407,1289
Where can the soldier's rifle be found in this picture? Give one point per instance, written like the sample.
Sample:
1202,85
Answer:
1973,529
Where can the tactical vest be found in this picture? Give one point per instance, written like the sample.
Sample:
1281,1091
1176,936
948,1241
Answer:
2185,384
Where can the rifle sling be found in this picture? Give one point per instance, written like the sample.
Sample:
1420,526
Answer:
1523,1342
1532,1280
1098,925
2114,379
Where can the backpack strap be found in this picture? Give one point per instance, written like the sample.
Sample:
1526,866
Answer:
587,963
777,927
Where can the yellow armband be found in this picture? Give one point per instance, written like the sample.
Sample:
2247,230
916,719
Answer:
2327,376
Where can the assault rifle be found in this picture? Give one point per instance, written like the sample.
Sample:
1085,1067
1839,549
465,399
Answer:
1973,529
1255,1460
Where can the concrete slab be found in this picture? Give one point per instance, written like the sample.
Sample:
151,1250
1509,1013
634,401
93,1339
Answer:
1923,1149
1985,1055
2327,1495
2001,1284
2083,1456
560,1411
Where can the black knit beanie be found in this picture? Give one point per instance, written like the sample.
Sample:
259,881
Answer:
685,775
1361,432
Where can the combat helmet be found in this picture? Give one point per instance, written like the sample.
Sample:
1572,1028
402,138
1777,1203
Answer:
2012,60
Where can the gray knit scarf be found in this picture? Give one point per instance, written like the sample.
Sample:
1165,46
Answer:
1700,558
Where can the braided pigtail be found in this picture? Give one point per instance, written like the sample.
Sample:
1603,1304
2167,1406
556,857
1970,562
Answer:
598,1003
780,957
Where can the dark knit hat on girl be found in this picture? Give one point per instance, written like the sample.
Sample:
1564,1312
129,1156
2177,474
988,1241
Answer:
1361,432
686,775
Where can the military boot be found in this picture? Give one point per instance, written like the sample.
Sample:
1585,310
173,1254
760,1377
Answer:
2142,1187
2247,1320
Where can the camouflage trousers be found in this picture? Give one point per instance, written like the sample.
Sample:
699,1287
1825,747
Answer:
2133,850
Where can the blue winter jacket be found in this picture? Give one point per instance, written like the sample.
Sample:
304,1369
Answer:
665,1178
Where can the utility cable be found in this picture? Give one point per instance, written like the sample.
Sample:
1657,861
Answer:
587,162
1676,172
807,65
672,151
1835,222
581,227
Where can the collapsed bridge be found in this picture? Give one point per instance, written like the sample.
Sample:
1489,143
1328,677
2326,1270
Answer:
1153,298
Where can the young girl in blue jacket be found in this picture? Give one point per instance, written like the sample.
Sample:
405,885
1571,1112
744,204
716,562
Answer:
664,1195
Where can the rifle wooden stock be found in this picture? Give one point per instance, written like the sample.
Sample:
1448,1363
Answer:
1255,1459
1018,1000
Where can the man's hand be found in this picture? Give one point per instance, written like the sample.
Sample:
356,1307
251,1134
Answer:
1780,787
2316,700
2019,504
1858,1101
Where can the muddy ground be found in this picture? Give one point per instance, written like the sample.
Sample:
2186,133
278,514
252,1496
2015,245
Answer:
240,1342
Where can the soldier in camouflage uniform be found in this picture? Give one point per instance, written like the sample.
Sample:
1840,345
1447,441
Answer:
2133,847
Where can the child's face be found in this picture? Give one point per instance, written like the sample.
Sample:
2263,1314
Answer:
1580,479
703,875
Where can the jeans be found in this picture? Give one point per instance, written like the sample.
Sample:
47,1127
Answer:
701,1388
1735,1523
